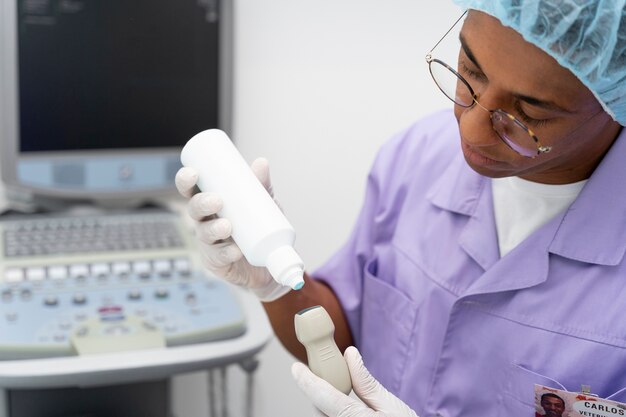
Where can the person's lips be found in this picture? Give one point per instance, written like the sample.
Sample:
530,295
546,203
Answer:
475,157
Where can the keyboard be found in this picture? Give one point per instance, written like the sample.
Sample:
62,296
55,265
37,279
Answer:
81,235
88,284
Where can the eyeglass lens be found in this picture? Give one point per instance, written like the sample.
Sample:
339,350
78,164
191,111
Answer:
506,126
451,85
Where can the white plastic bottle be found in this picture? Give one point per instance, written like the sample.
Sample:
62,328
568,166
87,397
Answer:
258,226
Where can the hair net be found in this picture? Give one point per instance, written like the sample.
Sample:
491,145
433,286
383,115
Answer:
588,37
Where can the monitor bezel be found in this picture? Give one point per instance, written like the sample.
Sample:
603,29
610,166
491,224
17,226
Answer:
10,156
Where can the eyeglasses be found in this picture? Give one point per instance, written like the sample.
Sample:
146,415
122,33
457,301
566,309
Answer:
452,84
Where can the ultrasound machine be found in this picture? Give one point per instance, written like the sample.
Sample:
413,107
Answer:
102,298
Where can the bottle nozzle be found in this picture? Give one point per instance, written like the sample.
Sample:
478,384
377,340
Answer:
294,278
286,267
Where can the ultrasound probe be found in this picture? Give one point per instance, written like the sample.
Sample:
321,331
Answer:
315,330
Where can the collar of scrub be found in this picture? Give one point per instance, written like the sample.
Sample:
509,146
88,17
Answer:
591,230
522,207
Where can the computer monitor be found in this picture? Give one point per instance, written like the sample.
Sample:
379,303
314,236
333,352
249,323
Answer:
97,97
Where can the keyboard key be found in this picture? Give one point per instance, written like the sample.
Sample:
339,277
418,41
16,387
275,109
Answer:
35,274
79,270
120,268
57,272
100,269
14,275
182,265
140,267
161,265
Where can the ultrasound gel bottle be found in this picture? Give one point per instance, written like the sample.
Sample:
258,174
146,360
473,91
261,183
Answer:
259,227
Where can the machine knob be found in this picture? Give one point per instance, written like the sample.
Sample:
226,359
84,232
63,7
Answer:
79,299
51,301
134,295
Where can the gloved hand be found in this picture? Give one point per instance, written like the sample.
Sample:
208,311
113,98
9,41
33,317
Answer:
219,252
377,401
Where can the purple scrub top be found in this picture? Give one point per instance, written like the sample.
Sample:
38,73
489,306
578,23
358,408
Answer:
453,329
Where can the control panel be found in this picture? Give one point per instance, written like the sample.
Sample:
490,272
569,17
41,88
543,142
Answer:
90,308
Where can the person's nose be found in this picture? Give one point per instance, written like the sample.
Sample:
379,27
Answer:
475,122
476,126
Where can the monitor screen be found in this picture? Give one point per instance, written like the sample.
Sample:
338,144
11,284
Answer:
98,84
115,73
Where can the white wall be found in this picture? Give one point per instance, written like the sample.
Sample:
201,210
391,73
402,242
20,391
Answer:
320,85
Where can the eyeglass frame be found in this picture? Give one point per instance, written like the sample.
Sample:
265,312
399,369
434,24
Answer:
541,149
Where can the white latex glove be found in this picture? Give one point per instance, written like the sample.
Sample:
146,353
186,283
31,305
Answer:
219,252
376,400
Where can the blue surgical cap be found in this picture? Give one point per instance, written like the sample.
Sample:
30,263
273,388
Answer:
588,37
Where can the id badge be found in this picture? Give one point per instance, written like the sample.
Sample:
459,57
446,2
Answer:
551,402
